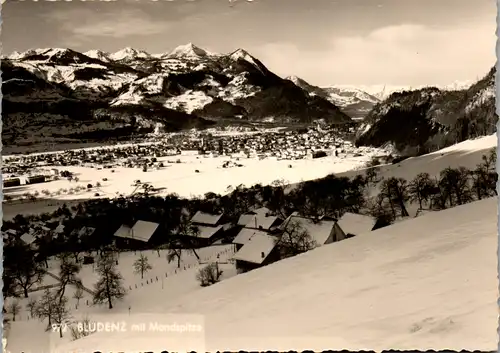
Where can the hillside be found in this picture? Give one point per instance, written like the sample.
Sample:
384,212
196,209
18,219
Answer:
352,101
425,283
428,119
63,95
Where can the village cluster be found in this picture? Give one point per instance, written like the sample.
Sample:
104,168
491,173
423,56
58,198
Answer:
297,144
258,237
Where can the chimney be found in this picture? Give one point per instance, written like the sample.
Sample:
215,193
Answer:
262,255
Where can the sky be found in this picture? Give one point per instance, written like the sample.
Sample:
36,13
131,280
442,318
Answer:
326,42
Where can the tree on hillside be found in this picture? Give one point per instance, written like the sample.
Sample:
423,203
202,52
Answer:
174,254
14,309
420,189
31,306
62,314
68,271
485,177
141,265
46,307
25,271
395,191
78,295
380,209
455,183
184,233
109,287
295,240
275,198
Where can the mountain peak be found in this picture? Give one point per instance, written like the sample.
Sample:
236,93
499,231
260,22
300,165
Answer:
97,54
188,50
129,53
297,80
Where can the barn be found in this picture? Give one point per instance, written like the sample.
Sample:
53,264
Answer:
352,224
135,238
259,251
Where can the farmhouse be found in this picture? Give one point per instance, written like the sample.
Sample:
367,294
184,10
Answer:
245,235
352,224
28,238
260,250
137,237
210,228
321,230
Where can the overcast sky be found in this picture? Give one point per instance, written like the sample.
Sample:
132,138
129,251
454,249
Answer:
326,42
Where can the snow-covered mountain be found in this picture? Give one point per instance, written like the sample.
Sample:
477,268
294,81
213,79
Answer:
59,93
383,91
98,54
427,119
353,101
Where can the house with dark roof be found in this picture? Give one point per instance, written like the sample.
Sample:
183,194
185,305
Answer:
352,224
137,237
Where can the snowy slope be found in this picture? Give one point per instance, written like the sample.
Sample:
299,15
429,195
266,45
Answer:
426,283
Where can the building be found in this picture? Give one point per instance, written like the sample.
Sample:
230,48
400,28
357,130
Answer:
244,236
137,237
321,230
36,179
210,228
193,152
7,183
352,224
260,250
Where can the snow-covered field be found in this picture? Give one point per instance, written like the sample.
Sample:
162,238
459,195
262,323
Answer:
163,283
426,283
183,179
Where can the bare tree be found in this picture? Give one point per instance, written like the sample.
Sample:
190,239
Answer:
46,307
31,306
209,274
78,295
61,314
141,265
68,271
456,184
185,231
174,254
14,308
395,190
26,272
420,188
109,287
295,240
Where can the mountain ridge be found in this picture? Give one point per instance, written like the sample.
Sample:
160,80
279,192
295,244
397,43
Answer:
100,93
424,120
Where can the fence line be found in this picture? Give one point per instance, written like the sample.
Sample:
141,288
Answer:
205,261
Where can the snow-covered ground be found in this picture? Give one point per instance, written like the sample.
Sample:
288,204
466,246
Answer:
163,283
426,283
183,179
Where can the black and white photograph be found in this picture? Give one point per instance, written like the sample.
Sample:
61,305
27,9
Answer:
249,175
